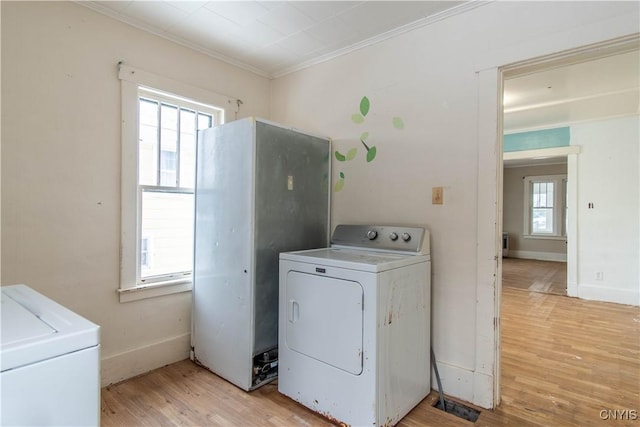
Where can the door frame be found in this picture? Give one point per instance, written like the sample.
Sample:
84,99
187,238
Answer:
490,128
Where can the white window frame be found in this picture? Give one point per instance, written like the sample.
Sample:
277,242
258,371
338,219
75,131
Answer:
559,207
132,79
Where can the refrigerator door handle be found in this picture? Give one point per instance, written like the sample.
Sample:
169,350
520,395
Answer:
294,311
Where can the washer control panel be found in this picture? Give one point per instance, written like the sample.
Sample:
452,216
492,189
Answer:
383,237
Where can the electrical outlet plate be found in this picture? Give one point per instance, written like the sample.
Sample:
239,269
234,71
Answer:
437,196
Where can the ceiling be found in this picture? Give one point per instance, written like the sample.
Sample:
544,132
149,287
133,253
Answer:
595,89
273,38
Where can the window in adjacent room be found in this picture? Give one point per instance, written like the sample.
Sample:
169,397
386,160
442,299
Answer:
545,210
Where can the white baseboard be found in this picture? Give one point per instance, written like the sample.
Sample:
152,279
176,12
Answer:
609,294
542,256
464,385
139,360
483,390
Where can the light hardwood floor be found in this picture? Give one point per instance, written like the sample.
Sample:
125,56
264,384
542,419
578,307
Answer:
535,275
563,361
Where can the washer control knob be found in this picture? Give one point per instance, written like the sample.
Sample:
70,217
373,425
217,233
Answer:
372,234
406,237
393,236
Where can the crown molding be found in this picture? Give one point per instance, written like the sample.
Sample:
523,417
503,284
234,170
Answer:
422,22
171,37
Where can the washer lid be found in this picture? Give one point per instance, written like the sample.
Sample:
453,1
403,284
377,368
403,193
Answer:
35,328
354,259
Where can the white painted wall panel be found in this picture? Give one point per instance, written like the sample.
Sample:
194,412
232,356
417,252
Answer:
608,243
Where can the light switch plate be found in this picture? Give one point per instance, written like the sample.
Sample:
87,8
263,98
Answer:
437,195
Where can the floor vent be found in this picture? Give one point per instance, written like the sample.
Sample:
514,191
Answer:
459,410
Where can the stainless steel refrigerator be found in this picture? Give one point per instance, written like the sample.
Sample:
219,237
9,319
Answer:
261,189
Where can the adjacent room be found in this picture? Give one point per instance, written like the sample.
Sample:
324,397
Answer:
498,141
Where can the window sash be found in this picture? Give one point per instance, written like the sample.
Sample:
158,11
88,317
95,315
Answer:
171,157
167,148
178,274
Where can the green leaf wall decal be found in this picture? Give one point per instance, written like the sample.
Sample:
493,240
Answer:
340,157
339,183
371,154
364,105
398,123
364,136
357,118
351,154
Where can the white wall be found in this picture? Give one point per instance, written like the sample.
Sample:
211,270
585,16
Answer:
61,168
608,234
442,81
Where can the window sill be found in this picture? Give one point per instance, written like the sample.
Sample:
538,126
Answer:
139,292
537,237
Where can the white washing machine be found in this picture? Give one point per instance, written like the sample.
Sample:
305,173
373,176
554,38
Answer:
50,359
354,324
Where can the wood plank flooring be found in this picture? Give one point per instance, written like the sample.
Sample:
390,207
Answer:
534,275
563,361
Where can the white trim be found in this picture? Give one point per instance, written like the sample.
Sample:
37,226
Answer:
558,208
139,360
157,289
185,103
455,381
543,237
486,382
541,153
541,256
176,88
171,37
462,8
466,385
128,192
576,55
609,294
572,223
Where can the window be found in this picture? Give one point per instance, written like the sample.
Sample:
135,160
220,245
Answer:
545,206
159,134
167,133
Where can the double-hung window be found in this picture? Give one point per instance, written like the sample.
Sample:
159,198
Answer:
545,209
167,132
159,131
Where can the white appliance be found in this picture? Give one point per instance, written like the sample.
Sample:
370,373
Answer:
261,189
354,335
50,359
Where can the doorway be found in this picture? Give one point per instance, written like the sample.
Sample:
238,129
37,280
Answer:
542,108
556,113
